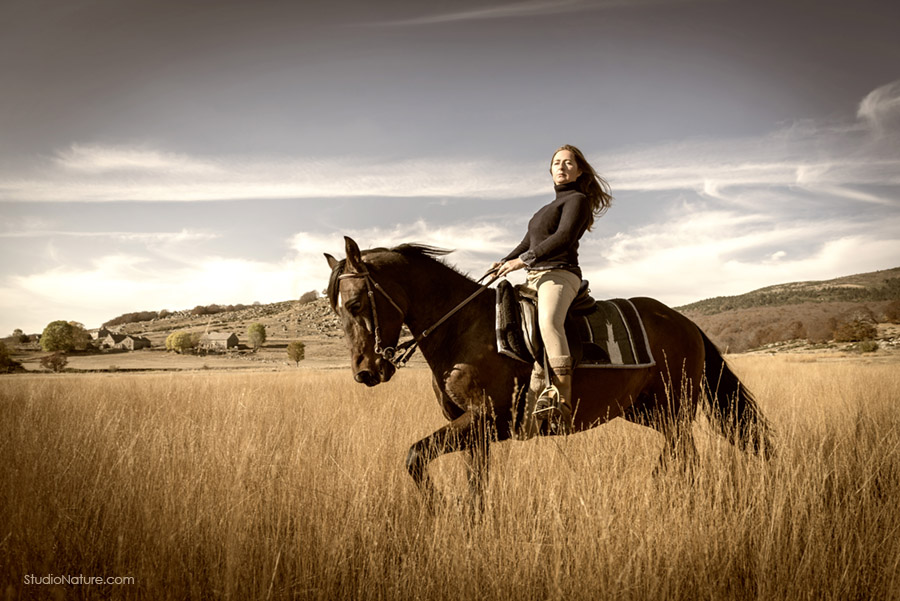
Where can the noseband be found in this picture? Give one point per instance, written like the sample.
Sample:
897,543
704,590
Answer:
406,349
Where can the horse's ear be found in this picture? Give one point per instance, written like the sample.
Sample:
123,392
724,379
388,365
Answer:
354,256
332,262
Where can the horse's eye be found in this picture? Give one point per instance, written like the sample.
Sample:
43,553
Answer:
354,307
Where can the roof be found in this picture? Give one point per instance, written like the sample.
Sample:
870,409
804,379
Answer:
219,335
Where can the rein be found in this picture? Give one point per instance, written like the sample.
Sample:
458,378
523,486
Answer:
401,354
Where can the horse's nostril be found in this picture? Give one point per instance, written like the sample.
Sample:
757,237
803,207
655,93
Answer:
366,377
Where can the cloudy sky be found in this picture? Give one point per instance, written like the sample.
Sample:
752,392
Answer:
163,154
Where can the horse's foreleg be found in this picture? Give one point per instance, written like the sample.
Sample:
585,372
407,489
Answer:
478,463
467,432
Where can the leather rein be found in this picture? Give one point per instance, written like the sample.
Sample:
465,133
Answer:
399,355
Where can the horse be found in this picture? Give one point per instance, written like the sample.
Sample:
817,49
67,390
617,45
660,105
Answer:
487,396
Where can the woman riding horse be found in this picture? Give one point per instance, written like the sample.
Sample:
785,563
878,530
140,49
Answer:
549,251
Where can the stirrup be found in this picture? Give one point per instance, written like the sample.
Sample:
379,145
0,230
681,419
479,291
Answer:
547,404
550,409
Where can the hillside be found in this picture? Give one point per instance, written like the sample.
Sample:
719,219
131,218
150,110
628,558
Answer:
860,288
801,311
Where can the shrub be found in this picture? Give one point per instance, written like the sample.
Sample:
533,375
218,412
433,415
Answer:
256,332
866,346
854,331
296,351
55,362
179,342
308,297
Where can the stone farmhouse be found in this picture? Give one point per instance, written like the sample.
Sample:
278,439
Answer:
101,334
218,341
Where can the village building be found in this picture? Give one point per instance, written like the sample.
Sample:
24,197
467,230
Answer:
101,334
218,341
125,342
111,340
133,343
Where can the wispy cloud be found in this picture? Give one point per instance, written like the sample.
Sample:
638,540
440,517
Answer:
881,108
505,11
840,158
123,174
518,10
146,237
93,159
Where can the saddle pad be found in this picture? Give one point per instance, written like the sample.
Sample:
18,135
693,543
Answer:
613,335
609,335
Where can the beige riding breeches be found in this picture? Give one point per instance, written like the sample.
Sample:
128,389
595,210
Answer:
556,289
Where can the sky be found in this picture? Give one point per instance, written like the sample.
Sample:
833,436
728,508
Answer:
164,154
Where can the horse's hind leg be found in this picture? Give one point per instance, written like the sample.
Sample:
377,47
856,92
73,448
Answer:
672,418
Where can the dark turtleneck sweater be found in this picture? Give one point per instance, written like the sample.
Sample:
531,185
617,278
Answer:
553,233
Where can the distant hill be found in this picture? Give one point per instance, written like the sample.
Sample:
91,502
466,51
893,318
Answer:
861,288
810,311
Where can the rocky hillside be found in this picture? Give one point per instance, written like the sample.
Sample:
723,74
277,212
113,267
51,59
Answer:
283,320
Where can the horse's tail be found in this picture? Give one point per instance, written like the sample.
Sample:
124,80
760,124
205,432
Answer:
733,408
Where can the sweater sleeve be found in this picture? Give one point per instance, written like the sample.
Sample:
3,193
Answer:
573,220
518,250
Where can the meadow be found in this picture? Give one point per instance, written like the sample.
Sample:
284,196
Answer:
223,485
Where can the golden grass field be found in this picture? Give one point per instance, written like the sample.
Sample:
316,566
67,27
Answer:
220,485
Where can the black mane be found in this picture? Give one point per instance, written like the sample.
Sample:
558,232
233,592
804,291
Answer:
407,250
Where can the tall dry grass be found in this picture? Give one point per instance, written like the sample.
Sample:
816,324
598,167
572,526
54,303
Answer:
291,485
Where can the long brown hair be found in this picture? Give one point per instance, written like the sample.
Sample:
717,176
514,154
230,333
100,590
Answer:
590,184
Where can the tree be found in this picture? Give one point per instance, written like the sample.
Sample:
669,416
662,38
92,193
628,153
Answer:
179,342
308,297
55,362
256,332
296,351
892,312
80,337
7,363
58,336
19,336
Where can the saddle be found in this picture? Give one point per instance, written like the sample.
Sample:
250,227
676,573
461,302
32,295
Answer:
600,334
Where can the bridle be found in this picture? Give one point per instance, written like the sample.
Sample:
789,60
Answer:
399,355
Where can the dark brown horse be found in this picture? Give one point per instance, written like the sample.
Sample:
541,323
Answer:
483,393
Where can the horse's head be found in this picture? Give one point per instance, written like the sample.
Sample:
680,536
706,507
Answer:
370,315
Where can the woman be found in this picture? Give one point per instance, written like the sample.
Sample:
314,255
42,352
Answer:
549,251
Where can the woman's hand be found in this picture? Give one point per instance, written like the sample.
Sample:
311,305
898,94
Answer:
509,266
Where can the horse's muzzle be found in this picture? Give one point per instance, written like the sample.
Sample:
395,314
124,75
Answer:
369,377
